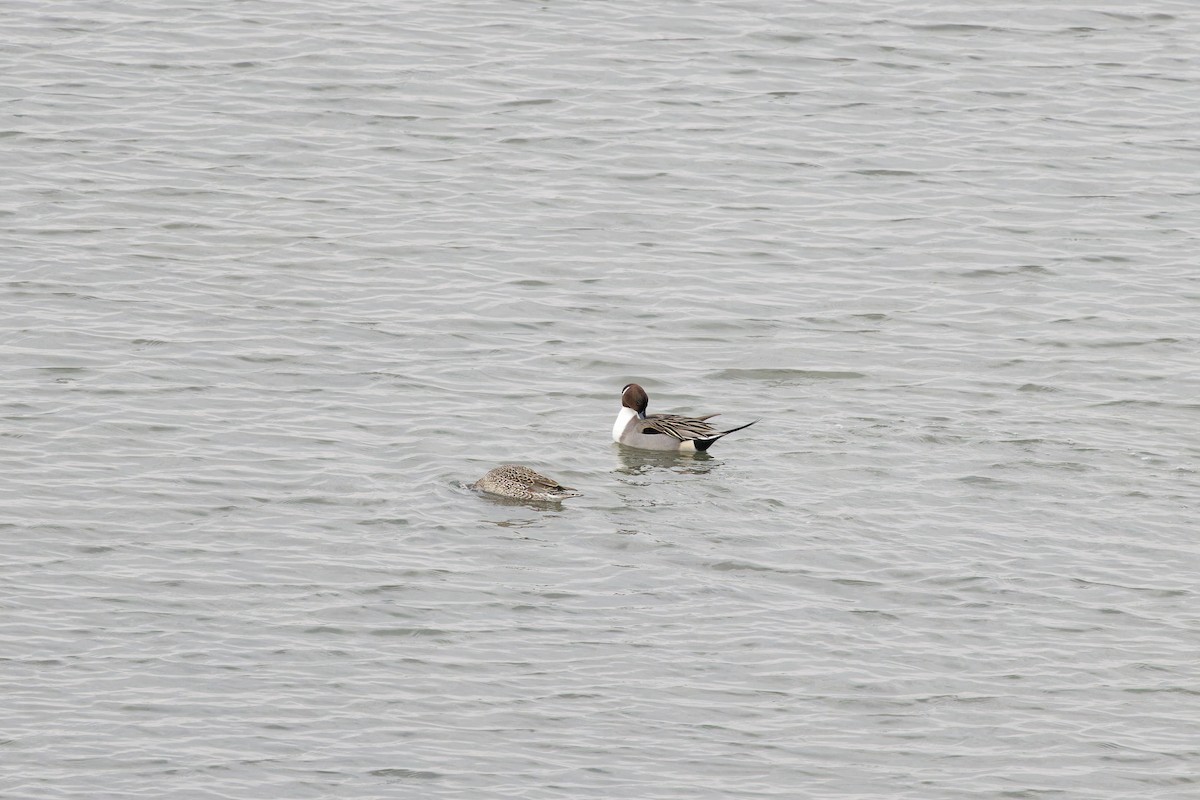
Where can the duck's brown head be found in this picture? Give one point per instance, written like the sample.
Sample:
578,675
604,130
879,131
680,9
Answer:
635,397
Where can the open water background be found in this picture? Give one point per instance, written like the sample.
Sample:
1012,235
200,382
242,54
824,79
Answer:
279,279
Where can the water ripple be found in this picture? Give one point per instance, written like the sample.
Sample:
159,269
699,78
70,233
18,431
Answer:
282,280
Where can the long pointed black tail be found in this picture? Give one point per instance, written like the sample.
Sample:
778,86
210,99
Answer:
704,444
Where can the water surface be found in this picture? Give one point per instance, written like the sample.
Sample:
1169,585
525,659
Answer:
280,281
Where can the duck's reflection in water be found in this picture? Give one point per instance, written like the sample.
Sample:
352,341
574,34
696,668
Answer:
641,462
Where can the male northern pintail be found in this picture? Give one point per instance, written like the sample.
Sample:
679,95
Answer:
636,428
522,483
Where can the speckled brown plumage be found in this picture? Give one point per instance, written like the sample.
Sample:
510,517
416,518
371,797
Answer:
522,483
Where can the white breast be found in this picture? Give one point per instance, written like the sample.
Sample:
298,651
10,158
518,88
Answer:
623,420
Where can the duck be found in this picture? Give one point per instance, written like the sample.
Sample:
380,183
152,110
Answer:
635,428
522,483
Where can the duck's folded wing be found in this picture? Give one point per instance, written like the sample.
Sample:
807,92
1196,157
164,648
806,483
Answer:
542,482
677,427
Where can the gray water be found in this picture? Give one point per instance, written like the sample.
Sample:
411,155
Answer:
280,279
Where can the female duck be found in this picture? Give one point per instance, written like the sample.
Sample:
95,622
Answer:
522,483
